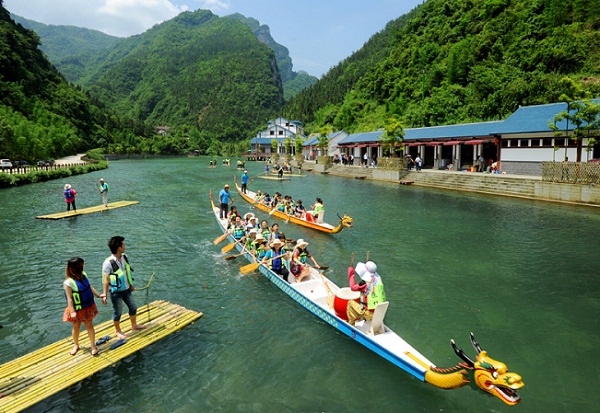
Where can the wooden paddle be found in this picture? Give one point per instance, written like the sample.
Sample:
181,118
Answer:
330,296
229,247
323,267
246,269
233,257
219,239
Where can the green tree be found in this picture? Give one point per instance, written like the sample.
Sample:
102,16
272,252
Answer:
392,135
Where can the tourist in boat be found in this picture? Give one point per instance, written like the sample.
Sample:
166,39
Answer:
250,238
299,266
233,212
224,200
371,291
103,189
261,247
264,229
117,276
266,200
300,210
244,181
252,222
276,256
81,307
70,195
259,197
238,229
318,210
275,234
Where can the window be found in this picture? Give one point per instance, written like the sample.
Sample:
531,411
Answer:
523,143
559,142
505,143
547,142
535,142
272,133
281,132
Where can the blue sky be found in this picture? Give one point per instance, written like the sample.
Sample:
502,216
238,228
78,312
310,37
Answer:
318,33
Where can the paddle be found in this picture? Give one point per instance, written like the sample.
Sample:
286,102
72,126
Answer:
330,296
233,257
323,267
220,238
273,210
246,269
229,247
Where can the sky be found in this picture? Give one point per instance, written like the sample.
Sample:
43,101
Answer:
318,33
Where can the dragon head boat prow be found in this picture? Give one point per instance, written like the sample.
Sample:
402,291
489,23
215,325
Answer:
483,373
345,222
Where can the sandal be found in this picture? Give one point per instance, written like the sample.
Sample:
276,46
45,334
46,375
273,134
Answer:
74,351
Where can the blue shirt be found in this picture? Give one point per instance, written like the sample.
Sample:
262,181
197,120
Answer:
244,179
224,196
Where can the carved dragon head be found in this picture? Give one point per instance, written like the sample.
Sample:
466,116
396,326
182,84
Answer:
346,220
491,376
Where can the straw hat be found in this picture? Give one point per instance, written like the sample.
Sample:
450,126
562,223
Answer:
67,186
301,243
226,186
276,241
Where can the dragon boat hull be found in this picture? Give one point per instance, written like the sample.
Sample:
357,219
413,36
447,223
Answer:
312,294
250,196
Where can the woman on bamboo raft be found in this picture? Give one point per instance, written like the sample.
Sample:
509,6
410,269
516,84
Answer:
81,307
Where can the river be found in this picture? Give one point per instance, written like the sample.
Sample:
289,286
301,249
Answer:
522,275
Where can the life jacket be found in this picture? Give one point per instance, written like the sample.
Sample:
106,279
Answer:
266,233
238,232
69,195
277,263
82,293
302,255
104,187
118,277
318,208
375,294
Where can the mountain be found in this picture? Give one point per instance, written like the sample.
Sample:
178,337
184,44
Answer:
452,61
41,114
71,49
74,50
196,69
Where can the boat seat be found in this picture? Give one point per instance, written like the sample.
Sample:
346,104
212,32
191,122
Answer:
375,325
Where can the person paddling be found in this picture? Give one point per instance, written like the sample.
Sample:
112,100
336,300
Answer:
300,267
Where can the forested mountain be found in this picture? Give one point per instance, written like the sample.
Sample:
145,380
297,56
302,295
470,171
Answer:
76,52
42,115
71,49
451,61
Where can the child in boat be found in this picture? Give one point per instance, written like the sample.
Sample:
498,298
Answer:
300,211
81,307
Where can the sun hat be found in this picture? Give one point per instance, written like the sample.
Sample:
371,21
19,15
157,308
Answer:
67,186
276,241
360,269
301,243
226,186
102,179
371,267
252,231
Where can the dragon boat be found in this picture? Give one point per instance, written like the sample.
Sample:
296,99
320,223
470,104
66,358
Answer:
309,222
327,301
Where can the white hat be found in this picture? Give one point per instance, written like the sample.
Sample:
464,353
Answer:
253,231
371,267
251,218
301,243
276,241
245,171
360,269
67,186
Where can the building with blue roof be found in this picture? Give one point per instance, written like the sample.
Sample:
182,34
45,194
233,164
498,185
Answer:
519,144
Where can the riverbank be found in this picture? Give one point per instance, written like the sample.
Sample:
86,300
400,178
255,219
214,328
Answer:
516,186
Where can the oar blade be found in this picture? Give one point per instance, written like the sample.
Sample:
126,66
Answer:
231,257
228,247
247,269
219,239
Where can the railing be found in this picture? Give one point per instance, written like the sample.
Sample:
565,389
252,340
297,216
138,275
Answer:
571,172
30,168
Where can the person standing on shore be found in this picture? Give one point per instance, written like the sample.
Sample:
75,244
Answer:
103,189
81,307
70,197
117,276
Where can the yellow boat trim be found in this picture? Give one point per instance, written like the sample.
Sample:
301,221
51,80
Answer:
44,372
90,210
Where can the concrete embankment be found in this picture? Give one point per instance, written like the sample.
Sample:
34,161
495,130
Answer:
521,186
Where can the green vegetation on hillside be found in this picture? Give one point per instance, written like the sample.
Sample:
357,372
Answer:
452,61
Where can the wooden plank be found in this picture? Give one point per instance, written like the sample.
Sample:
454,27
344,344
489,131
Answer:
90,210
44,372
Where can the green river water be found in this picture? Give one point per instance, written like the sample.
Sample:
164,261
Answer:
522,275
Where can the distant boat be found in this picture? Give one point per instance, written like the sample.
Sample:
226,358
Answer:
310,222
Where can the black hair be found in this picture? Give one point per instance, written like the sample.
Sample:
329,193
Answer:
115,242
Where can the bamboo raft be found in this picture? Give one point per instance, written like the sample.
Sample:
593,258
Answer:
44,372
90,210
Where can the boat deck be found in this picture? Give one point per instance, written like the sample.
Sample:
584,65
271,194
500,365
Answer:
35,376
90,210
